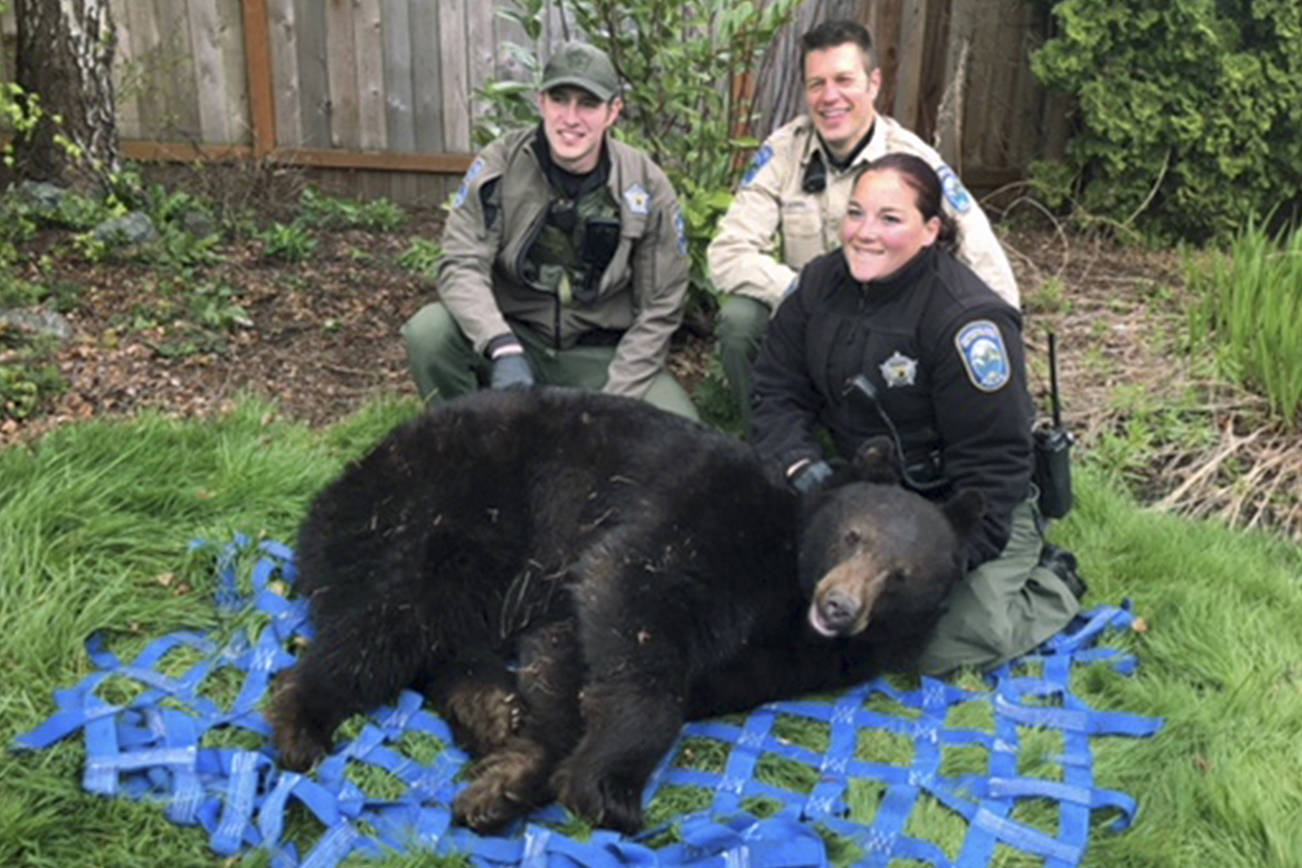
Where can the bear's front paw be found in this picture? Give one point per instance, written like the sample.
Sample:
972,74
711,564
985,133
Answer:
299,742
603,799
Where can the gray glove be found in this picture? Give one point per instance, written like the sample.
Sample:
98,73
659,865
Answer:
811,477
511,371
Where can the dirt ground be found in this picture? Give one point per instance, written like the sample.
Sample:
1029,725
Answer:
321,337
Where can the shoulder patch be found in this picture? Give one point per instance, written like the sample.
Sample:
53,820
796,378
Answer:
638,199
955,193
463,192
759,161
981,347
680,226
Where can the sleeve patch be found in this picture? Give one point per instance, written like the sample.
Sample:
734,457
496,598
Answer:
680,226
985,358
637,199
463,192
759,161
955,193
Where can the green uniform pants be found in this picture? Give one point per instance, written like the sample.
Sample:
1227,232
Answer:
445,365
740,327
1003,608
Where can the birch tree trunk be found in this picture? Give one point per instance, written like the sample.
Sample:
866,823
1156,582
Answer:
65,56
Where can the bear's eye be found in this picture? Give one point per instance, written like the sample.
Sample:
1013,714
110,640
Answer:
897,577
853,537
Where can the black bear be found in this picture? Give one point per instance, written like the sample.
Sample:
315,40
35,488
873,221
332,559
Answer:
568,576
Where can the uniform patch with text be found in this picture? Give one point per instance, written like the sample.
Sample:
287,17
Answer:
981,347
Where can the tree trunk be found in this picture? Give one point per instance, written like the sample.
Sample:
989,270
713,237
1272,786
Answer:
65,56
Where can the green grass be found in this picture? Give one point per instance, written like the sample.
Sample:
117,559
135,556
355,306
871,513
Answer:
96,519
1251,302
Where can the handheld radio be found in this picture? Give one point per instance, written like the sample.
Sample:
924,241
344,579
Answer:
1053,451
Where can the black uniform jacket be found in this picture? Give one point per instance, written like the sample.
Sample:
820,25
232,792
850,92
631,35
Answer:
945,356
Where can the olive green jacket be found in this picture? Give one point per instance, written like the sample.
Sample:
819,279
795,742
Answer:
498,214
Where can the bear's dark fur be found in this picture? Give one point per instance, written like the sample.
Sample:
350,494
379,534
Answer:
569,575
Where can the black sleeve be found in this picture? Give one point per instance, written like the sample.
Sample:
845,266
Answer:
985,428
784,401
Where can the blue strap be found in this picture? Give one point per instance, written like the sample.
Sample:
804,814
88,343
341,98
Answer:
148,749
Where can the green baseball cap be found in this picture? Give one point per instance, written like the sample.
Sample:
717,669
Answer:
581,65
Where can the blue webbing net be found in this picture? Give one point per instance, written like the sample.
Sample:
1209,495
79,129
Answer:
172,744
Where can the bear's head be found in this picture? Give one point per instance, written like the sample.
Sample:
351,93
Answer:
876,559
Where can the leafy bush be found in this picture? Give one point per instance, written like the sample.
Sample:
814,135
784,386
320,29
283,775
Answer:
27,378
325,212
679,62
422,257
1188,115
1251,303
287,243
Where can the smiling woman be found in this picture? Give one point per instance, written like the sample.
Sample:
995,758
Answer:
893,336
889,219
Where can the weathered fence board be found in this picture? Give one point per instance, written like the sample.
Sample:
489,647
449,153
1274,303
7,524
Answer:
371,86
455,62
368,40
399,114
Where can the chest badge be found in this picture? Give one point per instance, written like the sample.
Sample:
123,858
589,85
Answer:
637,198
899,370
981,347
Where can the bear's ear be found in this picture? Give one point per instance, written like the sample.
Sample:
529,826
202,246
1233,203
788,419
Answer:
876,462
964,510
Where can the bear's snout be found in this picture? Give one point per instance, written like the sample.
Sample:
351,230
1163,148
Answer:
843,601
837,611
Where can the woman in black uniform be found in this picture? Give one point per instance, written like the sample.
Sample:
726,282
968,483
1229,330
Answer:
892,331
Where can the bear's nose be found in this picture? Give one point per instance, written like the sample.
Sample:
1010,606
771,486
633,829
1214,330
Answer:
838,609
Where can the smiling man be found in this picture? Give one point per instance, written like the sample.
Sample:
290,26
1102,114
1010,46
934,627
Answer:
564,259
792,199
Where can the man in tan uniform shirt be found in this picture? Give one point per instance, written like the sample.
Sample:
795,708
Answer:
789,205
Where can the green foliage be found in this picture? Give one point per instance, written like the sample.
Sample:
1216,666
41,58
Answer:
422,257
28,378
325,212
287,243
96,520
679,63
1251,305
1189,115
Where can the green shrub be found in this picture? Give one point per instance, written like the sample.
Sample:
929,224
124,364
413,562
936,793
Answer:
326,212
422,257
1188,115
27,379
1251,305
287,243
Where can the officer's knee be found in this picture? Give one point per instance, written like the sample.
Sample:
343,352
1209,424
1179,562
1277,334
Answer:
741,323
429,330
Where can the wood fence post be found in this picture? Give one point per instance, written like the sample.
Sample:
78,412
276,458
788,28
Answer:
257,58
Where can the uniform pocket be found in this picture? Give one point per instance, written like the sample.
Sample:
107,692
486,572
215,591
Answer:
802,232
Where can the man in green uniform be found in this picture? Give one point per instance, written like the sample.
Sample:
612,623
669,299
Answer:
564,257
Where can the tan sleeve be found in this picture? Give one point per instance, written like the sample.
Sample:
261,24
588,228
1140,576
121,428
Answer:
744,256
660,277
471,240
978,247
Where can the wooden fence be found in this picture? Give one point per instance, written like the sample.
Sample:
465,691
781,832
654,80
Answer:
383,89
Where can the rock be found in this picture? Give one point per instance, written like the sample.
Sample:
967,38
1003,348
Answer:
37,321
133,229
42,194
198,223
